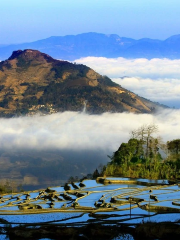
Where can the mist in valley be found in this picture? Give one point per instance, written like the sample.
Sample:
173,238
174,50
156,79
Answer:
48,150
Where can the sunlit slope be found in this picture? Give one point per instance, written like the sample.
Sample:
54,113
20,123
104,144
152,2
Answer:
31,81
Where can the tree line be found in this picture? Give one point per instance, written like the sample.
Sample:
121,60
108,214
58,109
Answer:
145,156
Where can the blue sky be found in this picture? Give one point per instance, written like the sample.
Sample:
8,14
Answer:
24,21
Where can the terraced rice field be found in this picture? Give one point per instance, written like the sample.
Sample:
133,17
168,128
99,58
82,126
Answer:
91,201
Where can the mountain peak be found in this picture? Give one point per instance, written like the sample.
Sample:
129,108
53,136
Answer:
174,38
15,54
30,54
72,47
31,81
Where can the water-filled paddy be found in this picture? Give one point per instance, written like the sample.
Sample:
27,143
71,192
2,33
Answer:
94,201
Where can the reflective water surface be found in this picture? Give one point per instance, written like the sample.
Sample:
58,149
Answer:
90,201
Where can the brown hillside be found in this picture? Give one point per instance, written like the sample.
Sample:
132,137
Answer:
32,81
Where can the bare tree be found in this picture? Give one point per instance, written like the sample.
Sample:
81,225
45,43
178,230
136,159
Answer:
145,134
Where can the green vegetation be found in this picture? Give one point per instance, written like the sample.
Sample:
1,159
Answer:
145,156
23,63
10,187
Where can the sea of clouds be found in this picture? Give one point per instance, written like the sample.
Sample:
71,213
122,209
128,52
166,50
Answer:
155,79
82,132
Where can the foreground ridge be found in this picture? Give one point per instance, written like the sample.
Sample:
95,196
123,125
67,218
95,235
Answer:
32,82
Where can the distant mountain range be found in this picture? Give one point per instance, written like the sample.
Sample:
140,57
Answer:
72,47
31,82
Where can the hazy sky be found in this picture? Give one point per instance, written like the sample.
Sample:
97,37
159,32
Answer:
23,21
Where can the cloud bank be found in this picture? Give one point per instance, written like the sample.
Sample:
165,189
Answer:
165,90
140,67
155,79
79,132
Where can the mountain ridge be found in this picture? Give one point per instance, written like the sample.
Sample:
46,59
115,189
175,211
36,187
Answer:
31,81
71,47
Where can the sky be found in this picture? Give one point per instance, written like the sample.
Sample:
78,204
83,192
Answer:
26,21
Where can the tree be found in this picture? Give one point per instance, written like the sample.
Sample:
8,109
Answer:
174,146
140,156
128,152
96,174
151,144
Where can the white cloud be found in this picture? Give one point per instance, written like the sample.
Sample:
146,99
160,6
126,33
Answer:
140,67
159,89
77,131
155,79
